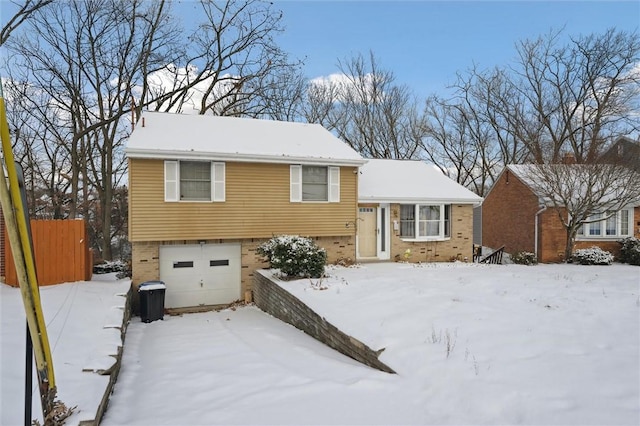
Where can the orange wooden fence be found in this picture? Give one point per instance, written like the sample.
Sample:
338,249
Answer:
61,249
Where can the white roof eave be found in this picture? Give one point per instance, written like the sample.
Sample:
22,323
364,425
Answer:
237,157
407,200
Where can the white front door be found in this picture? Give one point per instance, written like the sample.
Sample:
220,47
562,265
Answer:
202,274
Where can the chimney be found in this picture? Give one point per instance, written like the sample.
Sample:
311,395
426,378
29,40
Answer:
568,158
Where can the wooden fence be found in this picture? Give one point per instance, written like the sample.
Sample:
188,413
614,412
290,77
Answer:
62,252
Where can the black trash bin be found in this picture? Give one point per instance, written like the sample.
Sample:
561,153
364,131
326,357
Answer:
152,300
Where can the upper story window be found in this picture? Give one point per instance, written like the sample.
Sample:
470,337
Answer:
608,224
314,183
426,222
194,181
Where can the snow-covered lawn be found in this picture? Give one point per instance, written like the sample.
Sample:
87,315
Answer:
472,344
81,318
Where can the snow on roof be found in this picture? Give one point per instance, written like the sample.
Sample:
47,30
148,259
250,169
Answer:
569,180
393,181
180,136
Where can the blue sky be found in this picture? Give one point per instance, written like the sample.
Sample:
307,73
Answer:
424,43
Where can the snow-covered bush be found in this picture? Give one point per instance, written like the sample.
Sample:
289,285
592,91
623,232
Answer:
294,256
524,258
592,256
630,251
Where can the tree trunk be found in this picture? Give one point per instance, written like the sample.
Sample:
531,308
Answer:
570,243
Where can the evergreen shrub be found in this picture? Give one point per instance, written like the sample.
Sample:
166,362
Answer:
294,256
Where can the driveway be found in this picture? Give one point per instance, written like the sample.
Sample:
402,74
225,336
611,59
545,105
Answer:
245,367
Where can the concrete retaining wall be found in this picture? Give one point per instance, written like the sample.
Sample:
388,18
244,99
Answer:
115,369
276,301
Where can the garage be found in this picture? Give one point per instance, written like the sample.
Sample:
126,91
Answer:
200,274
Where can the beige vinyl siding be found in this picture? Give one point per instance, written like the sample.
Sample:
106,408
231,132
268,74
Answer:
257,206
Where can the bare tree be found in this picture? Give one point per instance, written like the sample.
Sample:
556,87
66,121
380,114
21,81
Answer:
231,66
89,58
25,10
89,68
575,97
368,110
578,191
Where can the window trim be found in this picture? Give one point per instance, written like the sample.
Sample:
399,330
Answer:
295,184
584,232
172,182
444,222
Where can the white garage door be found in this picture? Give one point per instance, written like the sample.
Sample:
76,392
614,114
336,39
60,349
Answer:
202,274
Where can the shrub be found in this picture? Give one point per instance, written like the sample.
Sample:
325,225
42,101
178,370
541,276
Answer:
294,256
524,258
592,256
630,251
107,266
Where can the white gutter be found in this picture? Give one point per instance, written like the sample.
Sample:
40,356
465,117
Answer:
422,200
535,241
237,157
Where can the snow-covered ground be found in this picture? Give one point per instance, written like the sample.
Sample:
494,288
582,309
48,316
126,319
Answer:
472,344
81,318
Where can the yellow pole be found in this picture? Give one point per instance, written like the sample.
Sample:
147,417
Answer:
17,230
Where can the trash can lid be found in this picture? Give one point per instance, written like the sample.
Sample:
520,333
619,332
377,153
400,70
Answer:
152,285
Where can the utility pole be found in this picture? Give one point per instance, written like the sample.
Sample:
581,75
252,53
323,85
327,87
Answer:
18,231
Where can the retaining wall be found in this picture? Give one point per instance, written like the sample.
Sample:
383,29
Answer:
115,369
276,301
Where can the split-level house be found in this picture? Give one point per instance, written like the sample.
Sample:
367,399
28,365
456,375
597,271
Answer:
205,192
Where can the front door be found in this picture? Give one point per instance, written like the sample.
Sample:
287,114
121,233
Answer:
367,232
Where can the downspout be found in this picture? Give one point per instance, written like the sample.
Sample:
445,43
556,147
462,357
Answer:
537,218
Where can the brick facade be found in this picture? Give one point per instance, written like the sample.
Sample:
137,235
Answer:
508,215
458,247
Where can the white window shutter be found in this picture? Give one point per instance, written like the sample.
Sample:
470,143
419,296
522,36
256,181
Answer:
171,183
218,181
295,183
334,184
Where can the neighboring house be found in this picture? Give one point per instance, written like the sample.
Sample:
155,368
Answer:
625,152
409,205
515,216
205,191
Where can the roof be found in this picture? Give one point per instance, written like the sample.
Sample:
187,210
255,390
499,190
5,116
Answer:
623,151
180,136
574,181
404,181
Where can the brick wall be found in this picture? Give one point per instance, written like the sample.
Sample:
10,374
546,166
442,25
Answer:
145,262
553,237
508,215
459,246
276,301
